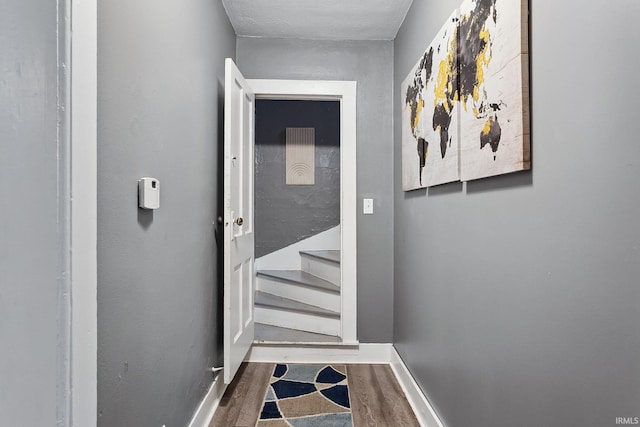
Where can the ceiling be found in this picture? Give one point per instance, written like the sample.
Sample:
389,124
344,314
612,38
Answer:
319,20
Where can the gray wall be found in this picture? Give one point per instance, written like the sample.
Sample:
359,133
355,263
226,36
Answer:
286,214
160,95
516,297
33,218
371,65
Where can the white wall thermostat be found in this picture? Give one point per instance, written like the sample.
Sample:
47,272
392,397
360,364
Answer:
149,193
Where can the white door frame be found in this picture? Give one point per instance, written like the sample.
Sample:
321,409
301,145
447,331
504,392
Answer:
345,92
82,49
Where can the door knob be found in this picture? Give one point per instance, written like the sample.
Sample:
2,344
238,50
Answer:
239,221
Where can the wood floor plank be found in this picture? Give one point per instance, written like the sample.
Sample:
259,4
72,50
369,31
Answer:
376,397
242,402
395,399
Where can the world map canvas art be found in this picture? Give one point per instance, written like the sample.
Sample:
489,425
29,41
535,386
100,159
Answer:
430,118
493,88
465,105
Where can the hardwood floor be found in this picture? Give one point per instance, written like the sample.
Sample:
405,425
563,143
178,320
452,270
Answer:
242,401
375,395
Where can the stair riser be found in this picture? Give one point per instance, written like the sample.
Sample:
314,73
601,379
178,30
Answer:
295,320
323,299
327,270
274,334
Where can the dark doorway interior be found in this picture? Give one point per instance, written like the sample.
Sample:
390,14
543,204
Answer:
286,214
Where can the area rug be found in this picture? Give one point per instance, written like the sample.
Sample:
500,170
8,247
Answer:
307,396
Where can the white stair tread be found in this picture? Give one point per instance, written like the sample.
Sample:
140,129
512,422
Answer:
300,277
273,301
274,333
327,255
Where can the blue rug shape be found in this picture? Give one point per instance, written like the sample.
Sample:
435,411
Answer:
270,411
284,388
303,373
270,396
280,371
327,420
330,376
338,394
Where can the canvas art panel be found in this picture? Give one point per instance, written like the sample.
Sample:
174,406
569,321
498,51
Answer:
430,142
412,144
465,104
300,145
493,88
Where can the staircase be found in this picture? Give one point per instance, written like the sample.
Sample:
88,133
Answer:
300,305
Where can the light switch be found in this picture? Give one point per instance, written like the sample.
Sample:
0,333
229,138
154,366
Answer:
367,206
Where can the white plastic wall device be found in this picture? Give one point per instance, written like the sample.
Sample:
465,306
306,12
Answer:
148,193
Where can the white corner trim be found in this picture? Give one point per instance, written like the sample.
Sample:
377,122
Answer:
336,353
207,408
83,208
348,212
421,407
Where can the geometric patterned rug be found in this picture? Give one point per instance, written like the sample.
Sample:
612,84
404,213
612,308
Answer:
307,396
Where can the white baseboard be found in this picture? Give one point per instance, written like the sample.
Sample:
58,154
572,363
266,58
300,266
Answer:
418,401
335,353
331,353
204,414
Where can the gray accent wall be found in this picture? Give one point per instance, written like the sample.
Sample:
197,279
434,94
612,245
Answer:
34,286
160,98
286,214
370,63
517,298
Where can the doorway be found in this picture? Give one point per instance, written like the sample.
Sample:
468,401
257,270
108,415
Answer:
305,233
297,220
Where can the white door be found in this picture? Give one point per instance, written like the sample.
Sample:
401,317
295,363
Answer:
238,219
